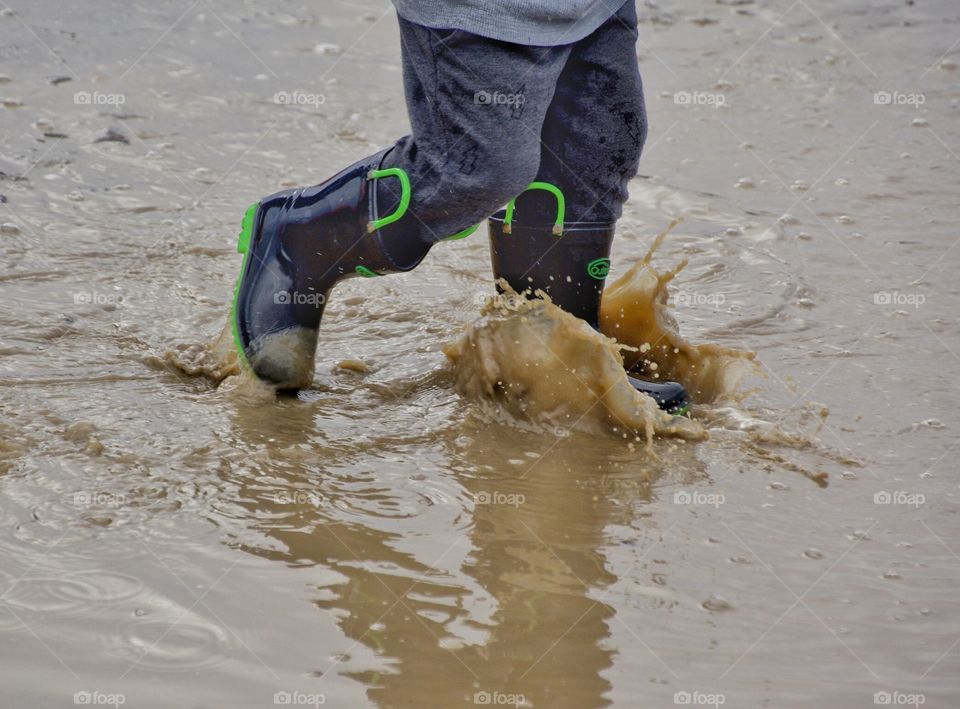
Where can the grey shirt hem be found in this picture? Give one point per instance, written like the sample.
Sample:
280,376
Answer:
536,23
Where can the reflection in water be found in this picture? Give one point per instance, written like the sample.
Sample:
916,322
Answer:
510,603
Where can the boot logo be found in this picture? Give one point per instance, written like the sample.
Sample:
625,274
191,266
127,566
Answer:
598,268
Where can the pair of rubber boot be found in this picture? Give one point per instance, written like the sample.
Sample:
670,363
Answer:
297,244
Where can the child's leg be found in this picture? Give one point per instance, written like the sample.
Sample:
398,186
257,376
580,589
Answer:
592,138
477,107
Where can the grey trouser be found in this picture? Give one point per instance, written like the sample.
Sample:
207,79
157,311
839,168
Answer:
490,117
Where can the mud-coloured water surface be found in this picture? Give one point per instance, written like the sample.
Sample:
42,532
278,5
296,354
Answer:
406,533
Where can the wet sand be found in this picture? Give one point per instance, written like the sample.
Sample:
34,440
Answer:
173,538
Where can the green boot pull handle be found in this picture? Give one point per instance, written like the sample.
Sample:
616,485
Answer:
404,196
552,189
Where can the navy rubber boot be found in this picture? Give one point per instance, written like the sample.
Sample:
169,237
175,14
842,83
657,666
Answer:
298,244
567,261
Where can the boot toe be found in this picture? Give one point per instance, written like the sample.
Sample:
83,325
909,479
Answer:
672,397
286,358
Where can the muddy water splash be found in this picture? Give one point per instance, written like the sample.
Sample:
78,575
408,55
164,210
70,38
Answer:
635,312
545,366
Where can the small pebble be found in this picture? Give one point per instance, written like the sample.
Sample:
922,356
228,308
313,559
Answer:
919,122
9,228
113,136
716,603
328,49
